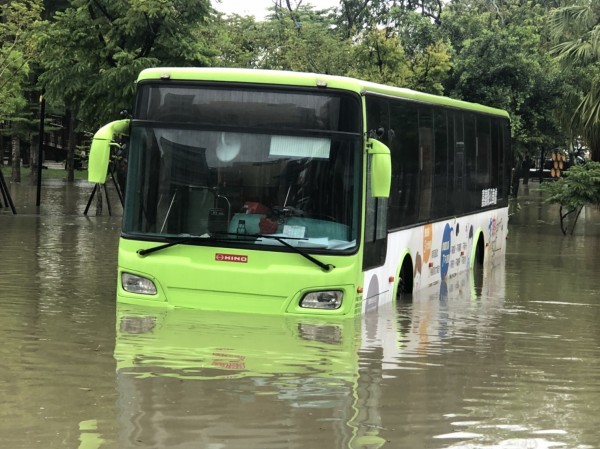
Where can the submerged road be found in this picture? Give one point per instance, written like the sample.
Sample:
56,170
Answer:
513,364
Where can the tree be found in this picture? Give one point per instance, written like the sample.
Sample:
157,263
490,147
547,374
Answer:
292,37
428,51
576,29
501,60
398,43
302,38
380,58
18,46
579,186
93,51
239,39
355,16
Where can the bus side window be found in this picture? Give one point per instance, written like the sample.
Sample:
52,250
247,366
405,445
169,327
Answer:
405,163
459,162
473,194
483,154
440,177
426,153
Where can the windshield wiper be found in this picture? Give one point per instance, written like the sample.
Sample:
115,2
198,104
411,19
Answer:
179,241
325,267
282,240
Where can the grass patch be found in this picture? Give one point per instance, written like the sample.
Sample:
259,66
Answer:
47,173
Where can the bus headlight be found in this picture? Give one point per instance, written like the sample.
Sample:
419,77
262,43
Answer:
328,299
137,284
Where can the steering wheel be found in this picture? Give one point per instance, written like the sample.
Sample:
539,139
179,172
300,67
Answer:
303,205
280,212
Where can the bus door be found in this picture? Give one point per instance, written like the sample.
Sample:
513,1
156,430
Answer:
375,239
375,248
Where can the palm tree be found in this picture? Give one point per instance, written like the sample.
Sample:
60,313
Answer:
576,28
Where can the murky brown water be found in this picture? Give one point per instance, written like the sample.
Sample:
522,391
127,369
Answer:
515,364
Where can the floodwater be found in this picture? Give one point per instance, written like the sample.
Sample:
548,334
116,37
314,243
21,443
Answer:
513,363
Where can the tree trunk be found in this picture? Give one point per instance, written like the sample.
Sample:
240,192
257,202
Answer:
16,159
1,151
25,159
71,146
595,154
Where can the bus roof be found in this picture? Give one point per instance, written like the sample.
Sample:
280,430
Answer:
287,78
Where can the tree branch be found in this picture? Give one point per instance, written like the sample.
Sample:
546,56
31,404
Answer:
104,11
576,218
17,70
150,37
108,59
9,50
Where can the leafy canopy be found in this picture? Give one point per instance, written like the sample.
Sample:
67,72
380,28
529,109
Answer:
93,50
576,32
18,47
501,59
579,186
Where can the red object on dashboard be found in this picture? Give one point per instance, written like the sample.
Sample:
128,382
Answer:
267,226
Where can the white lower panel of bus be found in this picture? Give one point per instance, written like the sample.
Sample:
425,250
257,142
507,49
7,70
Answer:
437,252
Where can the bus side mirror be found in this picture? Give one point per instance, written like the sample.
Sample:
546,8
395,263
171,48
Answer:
381,168
100,150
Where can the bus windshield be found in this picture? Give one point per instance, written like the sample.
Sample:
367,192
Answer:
246,165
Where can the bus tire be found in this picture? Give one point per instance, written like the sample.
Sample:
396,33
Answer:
477,271
479,254
405,279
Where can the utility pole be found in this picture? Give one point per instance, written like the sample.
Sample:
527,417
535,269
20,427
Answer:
40,148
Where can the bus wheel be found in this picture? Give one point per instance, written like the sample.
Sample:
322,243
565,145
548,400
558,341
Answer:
405,281
479,254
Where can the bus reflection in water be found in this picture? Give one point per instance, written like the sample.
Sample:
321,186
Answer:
187,376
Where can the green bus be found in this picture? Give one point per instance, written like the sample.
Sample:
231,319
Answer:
296,193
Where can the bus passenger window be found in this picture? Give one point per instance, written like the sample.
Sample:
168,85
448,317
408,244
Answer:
440,177
425,162
405,163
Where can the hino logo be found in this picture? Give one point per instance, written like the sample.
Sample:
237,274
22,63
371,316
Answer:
231,258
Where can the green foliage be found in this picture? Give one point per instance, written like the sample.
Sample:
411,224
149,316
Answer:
381,59
302,40
93,50
357,15
576,31
18,47
501,61
407,52
579,186
239,39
